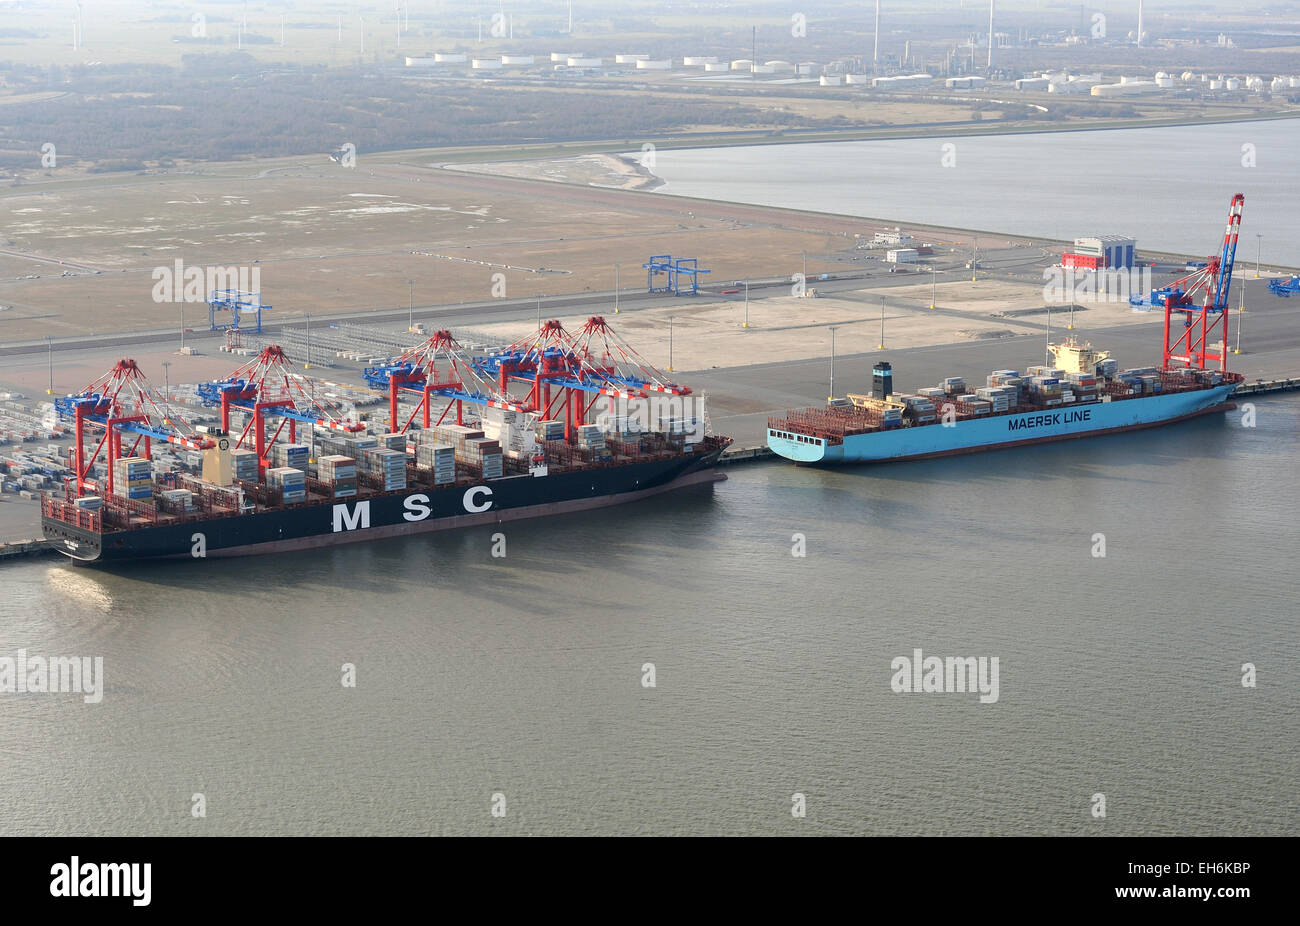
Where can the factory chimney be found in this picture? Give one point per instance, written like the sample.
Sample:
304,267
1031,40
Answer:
1139,38
991,2
875,55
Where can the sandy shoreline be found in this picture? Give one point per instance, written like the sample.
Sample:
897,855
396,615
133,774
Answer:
604,171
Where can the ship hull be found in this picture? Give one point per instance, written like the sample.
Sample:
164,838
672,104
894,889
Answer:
1004,431
331,522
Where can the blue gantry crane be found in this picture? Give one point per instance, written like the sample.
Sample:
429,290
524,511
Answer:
1284,287
664,274
239,304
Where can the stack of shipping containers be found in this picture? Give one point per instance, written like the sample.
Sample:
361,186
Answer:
132,478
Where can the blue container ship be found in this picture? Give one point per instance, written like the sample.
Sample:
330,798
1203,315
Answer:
1082,395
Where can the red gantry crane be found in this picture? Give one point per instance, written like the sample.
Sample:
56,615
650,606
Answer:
438,367
1203,323
561,371
123,402
266,388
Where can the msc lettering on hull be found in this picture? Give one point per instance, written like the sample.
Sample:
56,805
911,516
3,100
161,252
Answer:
1055,418
416,507
348,518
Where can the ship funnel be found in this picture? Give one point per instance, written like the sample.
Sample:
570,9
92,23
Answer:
217,467
882,380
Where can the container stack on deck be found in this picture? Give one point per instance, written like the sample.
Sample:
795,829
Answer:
388,467
132,478
339,473
438,458
176,501
289,482
245,464
482,455
549,430
295,455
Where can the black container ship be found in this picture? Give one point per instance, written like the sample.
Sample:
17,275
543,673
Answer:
473,450
244,520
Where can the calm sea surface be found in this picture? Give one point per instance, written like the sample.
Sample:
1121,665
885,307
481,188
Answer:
522,676
1168,187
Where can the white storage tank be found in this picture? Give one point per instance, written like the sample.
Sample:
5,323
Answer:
516,59
764,69
830,80
1232,84
584,62
741,64
486,64
419,62
780,67
858,79
629,59
450,58
648,64
699,61
713,66
560,57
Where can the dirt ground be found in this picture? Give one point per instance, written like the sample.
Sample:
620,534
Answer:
708,335
326,239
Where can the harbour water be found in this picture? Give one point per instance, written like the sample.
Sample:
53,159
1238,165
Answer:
1168,187
1119,675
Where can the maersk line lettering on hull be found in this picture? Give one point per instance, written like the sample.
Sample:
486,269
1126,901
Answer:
1055,418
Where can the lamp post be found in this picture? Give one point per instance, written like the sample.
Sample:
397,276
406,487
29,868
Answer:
182,306
832,395
670,343
539,311
307,365
410,318
746,324
1240,317
1259,246
881,345
1047,350
167,381
934,282
49,344
616,288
